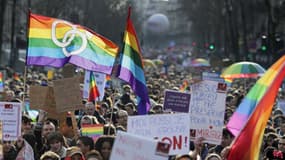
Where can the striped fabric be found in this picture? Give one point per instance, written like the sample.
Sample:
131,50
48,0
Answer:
54,42
250,119
131,67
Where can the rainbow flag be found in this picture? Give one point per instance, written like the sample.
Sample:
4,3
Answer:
93,92
16,77
131,67
1,82
254,112
55,42
94,130
184,86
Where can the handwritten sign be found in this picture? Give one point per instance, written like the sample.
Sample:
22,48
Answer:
212,77
67,95
11,117
176,101
207,110
129,147
170,128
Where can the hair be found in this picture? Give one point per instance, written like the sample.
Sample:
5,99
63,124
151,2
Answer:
101,140
108,127
212,155
55,136
51,155
93,154
87,141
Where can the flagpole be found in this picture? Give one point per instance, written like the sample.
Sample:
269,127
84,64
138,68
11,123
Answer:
112,112
24,89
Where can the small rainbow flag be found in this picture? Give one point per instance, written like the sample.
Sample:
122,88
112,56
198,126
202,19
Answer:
93,92
16,77
94,130
250,119
1,82
55,42
184,86
131,67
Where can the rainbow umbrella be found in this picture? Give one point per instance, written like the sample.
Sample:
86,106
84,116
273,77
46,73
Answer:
243,70
200,62
149,63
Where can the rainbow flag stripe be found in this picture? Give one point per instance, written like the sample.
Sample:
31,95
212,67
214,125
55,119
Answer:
93,131
184,86
94,92
98,55
131,67
1,82
254,112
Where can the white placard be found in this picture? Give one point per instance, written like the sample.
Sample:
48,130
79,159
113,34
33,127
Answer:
130,147
11,117
170,128
207,110
281,105
100,83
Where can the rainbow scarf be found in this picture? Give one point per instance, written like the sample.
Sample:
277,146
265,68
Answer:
131,67
54,42
254,112
93,92
1,82
94,131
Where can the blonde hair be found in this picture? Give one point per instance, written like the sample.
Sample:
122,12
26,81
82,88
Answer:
50,154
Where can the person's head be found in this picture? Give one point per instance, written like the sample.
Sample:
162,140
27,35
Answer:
213,156
56,141
93,155
227,138
109,129
48,127
157,109
183,157
87,120
281,144
49,155
130,108
122,118
7,146
26,123
89,108
9,95
74,153
104,145
85,144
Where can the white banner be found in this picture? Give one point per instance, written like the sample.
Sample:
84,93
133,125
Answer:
207,110
130,147
11,117
169,128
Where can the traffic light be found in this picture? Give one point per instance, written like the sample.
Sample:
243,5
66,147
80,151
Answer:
263,46
212,47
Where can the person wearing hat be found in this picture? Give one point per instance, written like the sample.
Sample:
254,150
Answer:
27,127
74,153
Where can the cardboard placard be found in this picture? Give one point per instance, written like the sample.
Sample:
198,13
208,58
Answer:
67,95
176,101
207,109
129,147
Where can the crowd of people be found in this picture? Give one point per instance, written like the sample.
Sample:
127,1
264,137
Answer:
46,138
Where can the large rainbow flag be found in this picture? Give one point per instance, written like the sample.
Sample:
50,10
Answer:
93,90
254,112
55,42
131,67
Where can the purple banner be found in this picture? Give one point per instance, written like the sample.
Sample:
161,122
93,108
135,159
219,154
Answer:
176,101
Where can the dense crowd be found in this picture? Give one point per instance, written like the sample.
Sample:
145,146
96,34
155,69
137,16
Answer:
46,138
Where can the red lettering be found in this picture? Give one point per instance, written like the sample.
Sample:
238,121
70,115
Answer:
177,143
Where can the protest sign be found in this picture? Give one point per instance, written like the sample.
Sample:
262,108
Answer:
129,147
1,140
42,97
212,77
176,101
207,110
94,131
170,128
67,95
11,117
100,79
